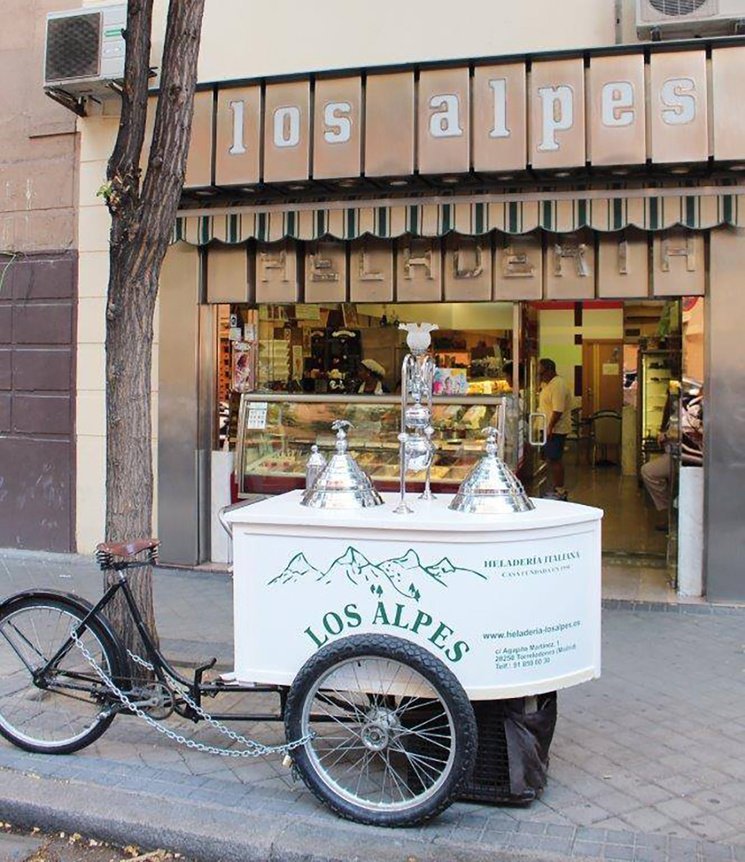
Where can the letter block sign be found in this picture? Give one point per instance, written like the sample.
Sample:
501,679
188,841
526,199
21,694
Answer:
337,124
518,268
679,123
238,139
623,264
287,132
617,111
679,268
277,273
371,270
557,99
444,121
468,269
418,270
570,266
326,272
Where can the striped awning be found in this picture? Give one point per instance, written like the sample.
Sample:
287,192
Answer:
601,210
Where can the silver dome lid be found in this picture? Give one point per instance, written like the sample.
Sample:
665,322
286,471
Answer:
343,484
491,488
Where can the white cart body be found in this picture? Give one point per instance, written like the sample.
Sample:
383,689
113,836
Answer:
510,603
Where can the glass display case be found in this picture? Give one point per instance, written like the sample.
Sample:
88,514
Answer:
654,375
275,433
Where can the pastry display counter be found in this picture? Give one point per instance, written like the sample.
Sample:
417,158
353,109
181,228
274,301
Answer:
276,431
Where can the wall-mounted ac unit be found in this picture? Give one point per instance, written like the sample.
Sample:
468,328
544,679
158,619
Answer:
84,50
684,19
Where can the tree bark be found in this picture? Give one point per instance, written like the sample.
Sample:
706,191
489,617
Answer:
141,227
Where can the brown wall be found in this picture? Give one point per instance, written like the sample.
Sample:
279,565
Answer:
37,400
38,287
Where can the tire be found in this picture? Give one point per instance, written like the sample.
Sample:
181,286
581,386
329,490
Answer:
395,733
63,714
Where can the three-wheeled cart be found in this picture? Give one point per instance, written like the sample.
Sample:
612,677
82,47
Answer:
399,625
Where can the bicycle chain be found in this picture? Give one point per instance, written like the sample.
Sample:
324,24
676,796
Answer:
255,749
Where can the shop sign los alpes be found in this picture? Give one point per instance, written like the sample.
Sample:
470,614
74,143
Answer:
493,117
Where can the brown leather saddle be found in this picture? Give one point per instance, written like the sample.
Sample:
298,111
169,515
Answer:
128,549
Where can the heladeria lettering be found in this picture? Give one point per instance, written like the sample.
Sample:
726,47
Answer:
538,560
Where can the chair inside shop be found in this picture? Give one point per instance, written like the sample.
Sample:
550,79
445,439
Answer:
575,436
605,436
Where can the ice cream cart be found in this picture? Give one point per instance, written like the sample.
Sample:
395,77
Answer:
399,623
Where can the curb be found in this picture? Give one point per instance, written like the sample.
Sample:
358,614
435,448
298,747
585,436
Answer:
211,833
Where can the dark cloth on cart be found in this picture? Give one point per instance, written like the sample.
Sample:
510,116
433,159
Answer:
512,760
529,736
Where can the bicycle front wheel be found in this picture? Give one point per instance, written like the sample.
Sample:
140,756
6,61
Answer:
67,707
394,735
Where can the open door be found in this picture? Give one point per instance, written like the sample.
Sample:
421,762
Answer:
602,376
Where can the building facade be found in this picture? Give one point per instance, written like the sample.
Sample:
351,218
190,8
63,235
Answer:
38,294
537,182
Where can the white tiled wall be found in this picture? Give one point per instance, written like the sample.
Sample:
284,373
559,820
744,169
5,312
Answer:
97,141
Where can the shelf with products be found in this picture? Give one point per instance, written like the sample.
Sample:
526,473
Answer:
655,371
452,358
275,433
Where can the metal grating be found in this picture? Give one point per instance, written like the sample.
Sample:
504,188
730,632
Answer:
678,8
73,47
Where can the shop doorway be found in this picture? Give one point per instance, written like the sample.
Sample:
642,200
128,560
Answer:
630,369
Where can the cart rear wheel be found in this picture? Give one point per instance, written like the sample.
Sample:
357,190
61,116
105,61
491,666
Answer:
394,732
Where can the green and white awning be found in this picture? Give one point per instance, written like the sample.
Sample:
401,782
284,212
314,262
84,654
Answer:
695,208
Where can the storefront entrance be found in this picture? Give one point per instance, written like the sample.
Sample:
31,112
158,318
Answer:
635,371
286,371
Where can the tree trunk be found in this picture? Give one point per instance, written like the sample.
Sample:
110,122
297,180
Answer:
142,224
129,471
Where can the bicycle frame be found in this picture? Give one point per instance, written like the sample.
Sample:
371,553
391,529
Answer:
162,668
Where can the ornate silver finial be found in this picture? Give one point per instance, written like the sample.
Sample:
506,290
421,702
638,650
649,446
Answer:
418,336
341,426
492,434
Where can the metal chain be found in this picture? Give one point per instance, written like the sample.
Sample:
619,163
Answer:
255,749
203,714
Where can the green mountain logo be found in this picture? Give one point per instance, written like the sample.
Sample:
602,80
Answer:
403,576
296,570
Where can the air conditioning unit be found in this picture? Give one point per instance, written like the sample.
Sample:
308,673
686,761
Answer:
84,50
687,19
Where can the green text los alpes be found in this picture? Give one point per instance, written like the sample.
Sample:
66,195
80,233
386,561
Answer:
398,616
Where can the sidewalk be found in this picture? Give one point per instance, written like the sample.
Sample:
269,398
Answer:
647,763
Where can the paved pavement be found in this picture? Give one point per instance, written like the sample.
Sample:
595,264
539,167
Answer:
18,848
647,763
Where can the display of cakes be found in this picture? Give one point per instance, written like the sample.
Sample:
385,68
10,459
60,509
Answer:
379,465
278,450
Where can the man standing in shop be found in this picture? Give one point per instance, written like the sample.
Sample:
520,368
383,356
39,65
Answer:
555,402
